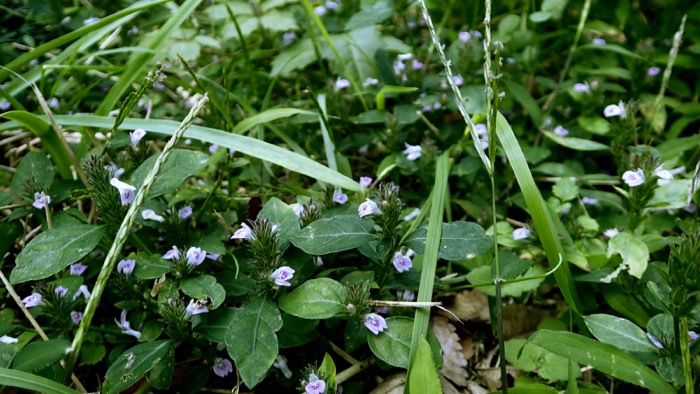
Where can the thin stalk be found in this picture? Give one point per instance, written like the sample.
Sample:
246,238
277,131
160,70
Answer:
123,234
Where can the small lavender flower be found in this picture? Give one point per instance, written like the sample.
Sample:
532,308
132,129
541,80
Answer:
464,36
653,71
243,233
281,364
126,267
521,233
41,200
458,80
149,214
77,269
172,254
125,326
136,136
195,256
402,262
412,152
615,110
561,131
598,41
655,341
195,308
82,290
61,291
370,82
76,317
282,275
222,367
634,178
589,201
340,198
33,300
582,88
368,207
611,232
126,191
8,339
315,385
412,215
184,212
375,323
341,84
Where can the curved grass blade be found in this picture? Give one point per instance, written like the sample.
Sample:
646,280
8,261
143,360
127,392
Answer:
539,212
28,381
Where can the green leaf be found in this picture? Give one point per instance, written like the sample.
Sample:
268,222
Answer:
252,342
424,377
332,235
576,143
181,165
511,266
634,252
603,357
204,286
28,381
54,250
133,364
216,324
459,241
34,165
619,332
320,298
282,215
39,355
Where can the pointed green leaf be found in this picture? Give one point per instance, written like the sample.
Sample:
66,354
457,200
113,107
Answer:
252,342
204,286
320,298
332,235
55,250
133,364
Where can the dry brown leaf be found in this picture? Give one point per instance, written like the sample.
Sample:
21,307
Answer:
469,305
454,360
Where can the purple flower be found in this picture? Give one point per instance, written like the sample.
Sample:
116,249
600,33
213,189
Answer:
520,233
76,317
611,232
655,341
33,300
195,308
368,207
598,41
282,275
172,254
340,198
281,364
561,131
41,200
126,267
243,233
464,36
125,326
136,136
653,71
375,323
195,256
184,212
365,181
77,269
222,367
149,214
126,191
582,88
315,385
412,152
615,110
589,201
61,291
634,178
341,84
402,262
8,339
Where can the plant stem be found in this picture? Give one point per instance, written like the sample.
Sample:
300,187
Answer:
123,234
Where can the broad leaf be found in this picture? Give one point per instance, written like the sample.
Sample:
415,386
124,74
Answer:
320,298
332,235
133,364
619,332
603,357
55,250
181,165
252,342
459,241
204,286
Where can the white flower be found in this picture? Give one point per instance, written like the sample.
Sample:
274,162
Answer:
615,110
520,233
126,191
243,233
149,214
412,152
634,178
368,207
